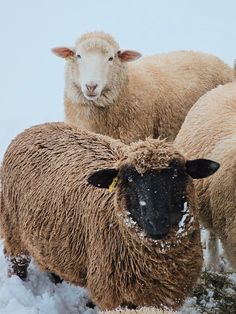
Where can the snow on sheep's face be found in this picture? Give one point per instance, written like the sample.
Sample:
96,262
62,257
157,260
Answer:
155,200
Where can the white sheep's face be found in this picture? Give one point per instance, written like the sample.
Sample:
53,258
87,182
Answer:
94,67
96,70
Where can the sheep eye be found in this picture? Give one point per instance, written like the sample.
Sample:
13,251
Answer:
110,59
79,56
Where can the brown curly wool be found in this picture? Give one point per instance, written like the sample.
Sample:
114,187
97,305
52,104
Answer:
50,212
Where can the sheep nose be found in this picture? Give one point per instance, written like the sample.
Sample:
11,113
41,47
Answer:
91,87
157,228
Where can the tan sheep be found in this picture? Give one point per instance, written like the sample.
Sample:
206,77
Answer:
150,97
209,131
138,245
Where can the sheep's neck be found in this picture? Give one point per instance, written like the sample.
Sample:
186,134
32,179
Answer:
110,119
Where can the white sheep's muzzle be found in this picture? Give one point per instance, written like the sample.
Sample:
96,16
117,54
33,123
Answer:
93,73
91,91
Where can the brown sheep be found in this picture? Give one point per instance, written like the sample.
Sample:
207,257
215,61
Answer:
131,101
138,245
209,131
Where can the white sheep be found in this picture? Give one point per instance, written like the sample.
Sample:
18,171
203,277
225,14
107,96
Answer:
209,131
130,101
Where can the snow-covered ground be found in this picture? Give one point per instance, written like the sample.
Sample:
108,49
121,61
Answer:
38,295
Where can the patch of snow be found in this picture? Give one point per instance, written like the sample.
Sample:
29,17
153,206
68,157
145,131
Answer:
38,295
130,222
130,179
182,222
232,277
190,307
142,203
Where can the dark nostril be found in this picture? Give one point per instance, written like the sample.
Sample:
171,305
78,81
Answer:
157,228
91,88
164,220
151,224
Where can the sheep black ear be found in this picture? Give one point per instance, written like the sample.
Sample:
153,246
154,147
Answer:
201,168
102,178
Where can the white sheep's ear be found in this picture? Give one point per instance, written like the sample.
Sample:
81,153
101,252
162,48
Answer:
201,168
63,52
102,178
128,55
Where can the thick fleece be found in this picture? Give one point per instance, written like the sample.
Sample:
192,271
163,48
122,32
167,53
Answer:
82,233
148,97
143,310
209,131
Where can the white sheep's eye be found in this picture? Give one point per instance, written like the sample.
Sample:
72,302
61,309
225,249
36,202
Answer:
110,59
79,56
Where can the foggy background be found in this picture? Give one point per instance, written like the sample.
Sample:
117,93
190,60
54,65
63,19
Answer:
32,78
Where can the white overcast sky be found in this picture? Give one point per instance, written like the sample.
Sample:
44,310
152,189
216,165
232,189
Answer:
31,78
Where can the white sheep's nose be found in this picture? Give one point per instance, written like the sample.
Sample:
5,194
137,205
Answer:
91,87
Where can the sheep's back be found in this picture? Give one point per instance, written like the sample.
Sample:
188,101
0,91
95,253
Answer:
172,83
209,131
211,120
44,186
188,71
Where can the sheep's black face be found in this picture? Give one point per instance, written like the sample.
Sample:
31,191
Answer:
155,200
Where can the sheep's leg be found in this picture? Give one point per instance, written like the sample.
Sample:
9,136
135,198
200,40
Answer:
18,266
90,304
129,305
213,251
55,278
229,263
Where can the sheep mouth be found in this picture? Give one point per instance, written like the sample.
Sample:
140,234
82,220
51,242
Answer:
158,236
91,96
